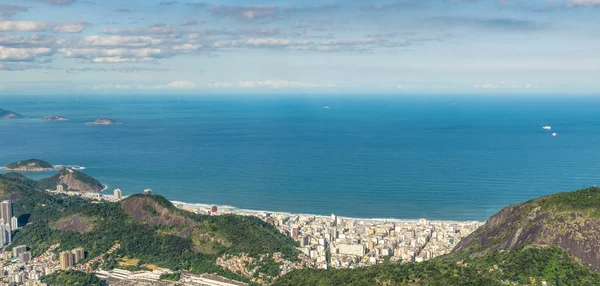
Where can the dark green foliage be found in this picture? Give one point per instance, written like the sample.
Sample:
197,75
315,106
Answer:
72,278
521,266
31,163
586,201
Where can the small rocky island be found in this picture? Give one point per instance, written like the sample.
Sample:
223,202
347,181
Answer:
55,118
31,165
104,121
9,114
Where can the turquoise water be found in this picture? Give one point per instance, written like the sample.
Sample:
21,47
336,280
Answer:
451,158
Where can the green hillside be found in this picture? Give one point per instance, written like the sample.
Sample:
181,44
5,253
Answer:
148,228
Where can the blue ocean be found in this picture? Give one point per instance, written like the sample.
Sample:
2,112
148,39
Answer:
436,157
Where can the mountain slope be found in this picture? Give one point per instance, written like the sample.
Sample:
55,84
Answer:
147,228
570,221
72,180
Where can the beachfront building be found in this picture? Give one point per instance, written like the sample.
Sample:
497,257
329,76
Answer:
147,192
60,188
118,194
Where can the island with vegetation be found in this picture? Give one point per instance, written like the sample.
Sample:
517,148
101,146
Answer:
31,165
9,114
54,118
104,121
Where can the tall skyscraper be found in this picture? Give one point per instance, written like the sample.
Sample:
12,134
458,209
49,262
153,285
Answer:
78,255
118,194
66,260
6,210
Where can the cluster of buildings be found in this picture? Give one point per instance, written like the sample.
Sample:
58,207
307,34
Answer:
19,268
8,222
347,243
68,259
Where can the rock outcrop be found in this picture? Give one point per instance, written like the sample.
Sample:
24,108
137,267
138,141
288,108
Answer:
570,221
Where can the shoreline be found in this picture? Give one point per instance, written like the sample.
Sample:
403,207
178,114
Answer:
228,209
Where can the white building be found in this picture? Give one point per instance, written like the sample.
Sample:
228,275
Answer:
118,194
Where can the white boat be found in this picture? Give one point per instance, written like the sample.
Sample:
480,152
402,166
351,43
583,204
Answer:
554,134
327,107
547,127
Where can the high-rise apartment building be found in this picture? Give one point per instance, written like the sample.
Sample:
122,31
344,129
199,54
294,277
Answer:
118,194
66,260
78,255
6,210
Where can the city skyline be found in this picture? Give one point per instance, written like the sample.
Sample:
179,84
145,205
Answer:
268,46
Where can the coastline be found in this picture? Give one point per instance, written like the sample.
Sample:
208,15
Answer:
228,209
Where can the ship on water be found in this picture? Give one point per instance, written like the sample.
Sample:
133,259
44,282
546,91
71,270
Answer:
547,127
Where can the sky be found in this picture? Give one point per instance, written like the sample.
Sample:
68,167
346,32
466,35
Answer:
308,46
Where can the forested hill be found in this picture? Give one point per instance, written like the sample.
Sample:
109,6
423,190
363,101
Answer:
149,229
71,180
555,239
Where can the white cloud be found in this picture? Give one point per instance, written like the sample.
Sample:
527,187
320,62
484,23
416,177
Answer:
584,2
187,47
99,53
505,86
266,83
71,28
261,42
180,84
23,26
177,84
119,60
486,86
22,54
121,41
